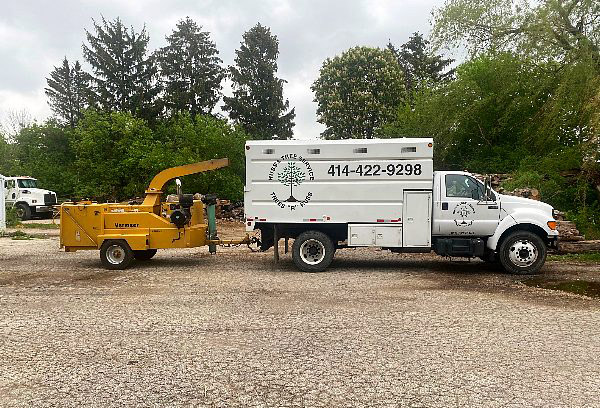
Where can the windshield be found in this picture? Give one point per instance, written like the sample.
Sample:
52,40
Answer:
27,183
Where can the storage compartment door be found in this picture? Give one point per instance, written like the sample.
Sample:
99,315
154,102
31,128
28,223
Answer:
388,236
361,235
416,231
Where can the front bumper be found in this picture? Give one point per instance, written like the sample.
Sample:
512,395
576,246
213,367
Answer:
42,208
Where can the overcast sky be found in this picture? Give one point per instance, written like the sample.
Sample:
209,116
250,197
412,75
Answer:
36,35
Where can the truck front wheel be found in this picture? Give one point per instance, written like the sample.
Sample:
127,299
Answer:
23,211
523,253
312,251
115,254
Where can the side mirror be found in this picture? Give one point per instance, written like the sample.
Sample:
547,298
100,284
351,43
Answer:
475,194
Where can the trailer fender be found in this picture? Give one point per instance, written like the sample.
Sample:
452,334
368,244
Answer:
137,242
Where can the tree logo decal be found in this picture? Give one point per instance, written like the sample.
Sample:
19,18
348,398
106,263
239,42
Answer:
462,213
291,171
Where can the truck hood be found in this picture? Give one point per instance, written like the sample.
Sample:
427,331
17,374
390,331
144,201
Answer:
512,203
38,191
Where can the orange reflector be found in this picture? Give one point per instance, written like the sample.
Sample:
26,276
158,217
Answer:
430,144
552,225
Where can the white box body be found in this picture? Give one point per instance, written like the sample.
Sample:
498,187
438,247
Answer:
340,182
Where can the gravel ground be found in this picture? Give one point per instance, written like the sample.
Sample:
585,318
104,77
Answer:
378,329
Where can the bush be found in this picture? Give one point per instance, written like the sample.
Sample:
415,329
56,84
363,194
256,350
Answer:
11,217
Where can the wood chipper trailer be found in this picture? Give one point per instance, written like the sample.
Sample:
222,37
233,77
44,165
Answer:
124,232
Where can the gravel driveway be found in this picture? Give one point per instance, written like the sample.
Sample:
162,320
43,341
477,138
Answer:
378,329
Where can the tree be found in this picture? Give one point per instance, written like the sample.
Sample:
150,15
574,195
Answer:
111,155
182,139
44,152
191,70
358,92
291,176
69,92
420,67
549,29
124,77
257,103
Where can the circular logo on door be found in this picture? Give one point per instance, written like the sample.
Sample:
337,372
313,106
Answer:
463,213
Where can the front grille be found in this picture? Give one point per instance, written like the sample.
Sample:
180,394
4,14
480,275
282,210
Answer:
50,199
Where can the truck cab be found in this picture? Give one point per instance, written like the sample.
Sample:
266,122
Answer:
29,200
470,219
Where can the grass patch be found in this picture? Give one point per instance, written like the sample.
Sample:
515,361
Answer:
39,225
592,257
22,236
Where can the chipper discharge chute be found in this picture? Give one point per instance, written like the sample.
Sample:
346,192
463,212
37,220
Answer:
125,232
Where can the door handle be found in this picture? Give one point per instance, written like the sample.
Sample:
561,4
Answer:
444,206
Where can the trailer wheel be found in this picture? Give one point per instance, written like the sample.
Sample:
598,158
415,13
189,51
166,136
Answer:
523,253
312,251
116,254
23,211
144,255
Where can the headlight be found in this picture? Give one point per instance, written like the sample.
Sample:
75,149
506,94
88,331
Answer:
554,213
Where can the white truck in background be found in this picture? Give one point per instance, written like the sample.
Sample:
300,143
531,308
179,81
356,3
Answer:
328,195
29,200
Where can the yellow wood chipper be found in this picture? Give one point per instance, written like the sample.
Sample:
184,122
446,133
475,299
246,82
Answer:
125,232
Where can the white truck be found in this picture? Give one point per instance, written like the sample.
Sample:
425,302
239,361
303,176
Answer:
328,195
29,200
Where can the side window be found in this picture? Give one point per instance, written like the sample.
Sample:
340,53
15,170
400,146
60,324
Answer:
459,185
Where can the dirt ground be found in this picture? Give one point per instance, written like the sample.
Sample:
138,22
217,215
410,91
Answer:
234,329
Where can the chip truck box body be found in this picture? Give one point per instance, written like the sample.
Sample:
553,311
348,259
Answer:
332,194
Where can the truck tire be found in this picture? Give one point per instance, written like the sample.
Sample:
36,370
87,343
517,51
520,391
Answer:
23,211
115,254
522,253
144,255
312,251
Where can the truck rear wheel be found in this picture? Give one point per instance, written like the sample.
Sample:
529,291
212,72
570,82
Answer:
523,253
116,254
23,211
312,251
144,255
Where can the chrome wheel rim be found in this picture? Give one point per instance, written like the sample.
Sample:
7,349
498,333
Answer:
20,212
312,251
115,254
523,253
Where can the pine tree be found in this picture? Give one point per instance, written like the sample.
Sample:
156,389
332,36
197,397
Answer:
420,67
69,92
257,103
124,76
191,70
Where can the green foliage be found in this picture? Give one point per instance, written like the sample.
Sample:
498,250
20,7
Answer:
421,68
8,159
191,71
124,76
183,140
44,152
542,30
257,103
11,217
358,92
110,151
592,257
69,92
